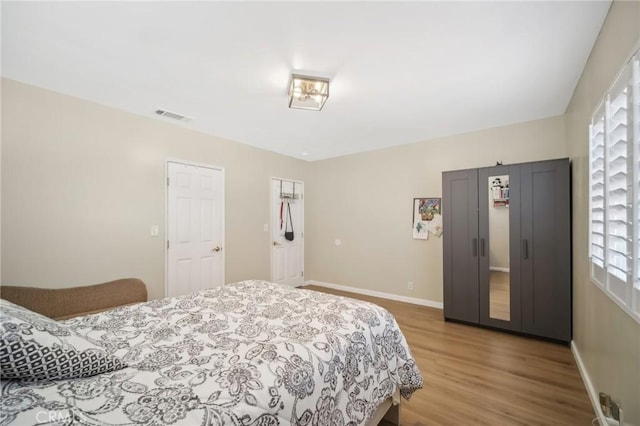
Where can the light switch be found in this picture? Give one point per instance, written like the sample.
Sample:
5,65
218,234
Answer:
266,227
338,242
155,230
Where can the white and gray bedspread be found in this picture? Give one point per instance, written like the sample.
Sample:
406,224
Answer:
250,353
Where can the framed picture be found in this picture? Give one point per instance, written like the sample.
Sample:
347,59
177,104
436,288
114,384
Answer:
424,211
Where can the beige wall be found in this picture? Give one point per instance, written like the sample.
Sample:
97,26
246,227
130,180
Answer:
365,200
83,183
607,339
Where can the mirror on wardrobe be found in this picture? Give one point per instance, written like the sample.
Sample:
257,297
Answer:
499,279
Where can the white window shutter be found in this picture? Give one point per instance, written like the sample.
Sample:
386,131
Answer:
618,185
635,137
614,191
597,207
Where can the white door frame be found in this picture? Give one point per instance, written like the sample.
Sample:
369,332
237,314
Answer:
166,215
271,221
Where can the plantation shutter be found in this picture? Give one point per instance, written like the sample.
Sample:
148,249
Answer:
614,191
635,137
597,195
619,186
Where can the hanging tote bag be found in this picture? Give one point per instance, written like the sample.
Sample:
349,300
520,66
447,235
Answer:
288,235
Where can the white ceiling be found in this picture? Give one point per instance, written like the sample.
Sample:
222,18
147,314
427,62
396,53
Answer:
401,72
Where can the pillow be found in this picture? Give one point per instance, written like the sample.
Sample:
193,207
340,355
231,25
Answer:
35,347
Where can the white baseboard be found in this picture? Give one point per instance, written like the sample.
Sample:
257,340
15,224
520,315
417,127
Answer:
412,300
498,268
593,394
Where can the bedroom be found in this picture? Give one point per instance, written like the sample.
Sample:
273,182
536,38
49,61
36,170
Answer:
80,190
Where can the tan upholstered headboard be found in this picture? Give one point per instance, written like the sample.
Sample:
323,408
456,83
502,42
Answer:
71,302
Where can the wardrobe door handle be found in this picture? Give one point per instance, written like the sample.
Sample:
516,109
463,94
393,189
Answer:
474,247
482,247
525,249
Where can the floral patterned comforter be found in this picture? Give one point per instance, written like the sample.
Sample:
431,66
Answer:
250,353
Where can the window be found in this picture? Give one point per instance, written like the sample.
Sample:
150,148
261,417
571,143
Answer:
614,191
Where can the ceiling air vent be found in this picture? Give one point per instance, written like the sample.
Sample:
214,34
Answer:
173,115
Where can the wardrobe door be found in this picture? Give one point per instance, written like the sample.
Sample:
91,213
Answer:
546,249
460,224
499,253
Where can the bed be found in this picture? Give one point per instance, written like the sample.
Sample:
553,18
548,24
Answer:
249,353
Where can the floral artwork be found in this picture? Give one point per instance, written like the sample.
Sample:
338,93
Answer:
425,210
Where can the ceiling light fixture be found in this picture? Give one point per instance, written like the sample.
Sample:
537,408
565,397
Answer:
308,92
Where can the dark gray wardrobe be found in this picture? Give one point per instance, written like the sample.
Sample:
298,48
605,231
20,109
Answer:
507,247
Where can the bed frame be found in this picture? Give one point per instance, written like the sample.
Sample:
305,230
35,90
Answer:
389,411
65,303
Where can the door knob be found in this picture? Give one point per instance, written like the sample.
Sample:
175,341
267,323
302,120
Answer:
216,249
275,243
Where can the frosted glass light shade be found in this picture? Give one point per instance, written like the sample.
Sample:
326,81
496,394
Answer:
308,92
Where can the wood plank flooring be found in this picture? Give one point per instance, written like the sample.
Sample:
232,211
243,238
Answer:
474,376
499,295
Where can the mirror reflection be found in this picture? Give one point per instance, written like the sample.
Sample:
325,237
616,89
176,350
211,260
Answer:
499,279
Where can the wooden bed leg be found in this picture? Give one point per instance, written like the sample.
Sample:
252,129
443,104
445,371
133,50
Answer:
393,415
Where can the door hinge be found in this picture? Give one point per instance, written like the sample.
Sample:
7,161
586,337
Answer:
167,181
302,235
302,274
167,243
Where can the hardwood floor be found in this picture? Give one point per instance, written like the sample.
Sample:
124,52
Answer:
474,376
499,294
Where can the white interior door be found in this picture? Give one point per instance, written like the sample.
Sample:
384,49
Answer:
287,257
195,228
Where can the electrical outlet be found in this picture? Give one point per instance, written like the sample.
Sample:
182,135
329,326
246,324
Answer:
611,409
410,285
605,404
615,410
